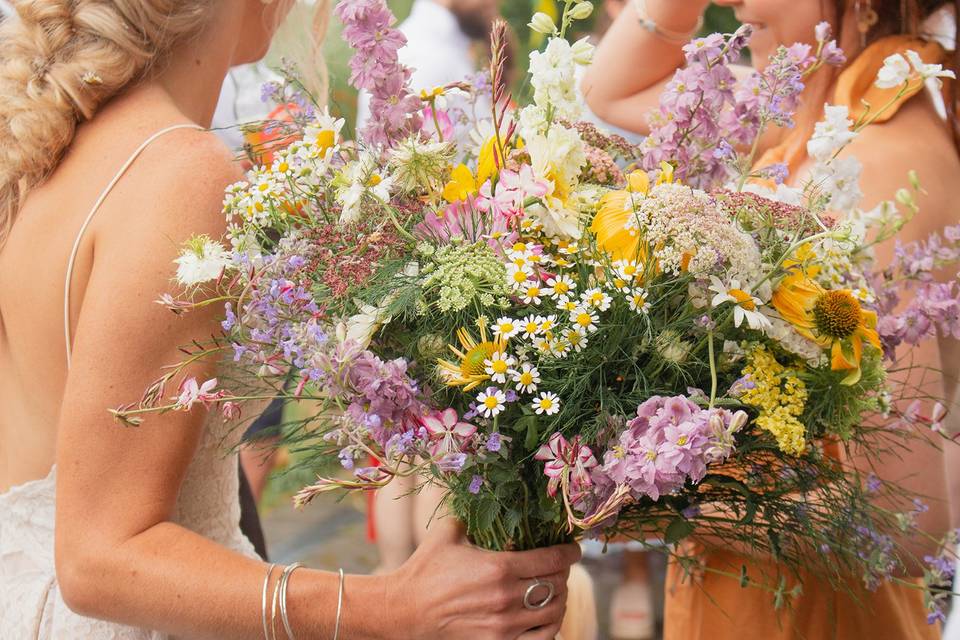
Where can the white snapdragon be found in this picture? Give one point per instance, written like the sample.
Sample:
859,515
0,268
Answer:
831,134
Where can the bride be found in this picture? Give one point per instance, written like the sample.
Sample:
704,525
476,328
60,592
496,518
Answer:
114,532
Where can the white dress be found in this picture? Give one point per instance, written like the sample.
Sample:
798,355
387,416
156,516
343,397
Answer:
31,607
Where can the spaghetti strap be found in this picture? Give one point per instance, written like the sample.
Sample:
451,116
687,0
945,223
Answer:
86,223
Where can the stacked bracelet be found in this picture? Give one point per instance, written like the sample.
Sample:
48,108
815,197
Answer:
336,629
282,586
279,600
671,36
263,601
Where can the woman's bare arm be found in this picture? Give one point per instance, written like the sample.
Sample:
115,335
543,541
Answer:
631,66
119,556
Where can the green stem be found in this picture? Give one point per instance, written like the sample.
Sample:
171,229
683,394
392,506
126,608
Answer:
396,223
713,369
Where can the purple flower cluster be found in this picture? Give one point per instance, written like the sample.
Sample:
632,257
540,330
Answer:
669,443
938,578
935,306
375,67
704,113
876,550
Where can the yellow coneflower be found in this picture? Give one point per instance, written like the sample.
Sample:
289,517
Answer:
833,319
470,372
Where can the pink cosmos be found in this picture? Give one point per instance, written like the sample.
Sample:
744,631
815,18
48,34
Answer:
563,458
447,432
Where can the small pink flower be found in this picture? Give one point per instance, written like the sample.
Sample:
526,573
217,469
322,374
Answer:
562,458
191,393
447,130
230,410
937,416
447,432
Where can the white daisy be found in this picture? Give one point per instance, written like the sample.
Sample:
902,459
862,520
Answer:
531,294
547,323
560,287
546,403
584,318
497,366
576,338
505,328
518,277
491,402
530,327
527,378
638,300
745,305
596,298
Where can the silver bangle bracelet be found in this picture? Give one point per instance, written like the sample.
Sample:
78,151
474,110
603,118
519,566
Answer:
336,628
650,25
263,601
284,581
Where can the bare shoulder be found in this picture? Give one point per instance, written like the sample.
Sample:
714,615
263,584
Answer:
916,139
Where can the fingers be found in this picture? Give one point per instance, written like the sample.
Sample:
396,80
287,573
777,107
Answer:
542,562
543,633
552,612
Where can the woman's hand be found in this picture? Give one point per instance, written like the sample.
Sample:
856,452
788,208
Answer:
454,591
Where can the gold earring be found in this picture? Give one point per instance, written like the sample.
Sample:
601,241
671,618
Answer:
867,19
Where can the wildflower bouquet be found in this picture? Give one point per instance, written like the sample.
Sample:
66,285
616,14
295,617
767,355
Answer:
481,296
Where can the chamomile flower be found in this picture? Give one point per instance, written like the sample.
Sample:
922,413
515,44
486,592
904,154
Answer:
559,348
505,328
521,259
567,305
490,403
526,378
596,299
530,327
576,338
531,293
560,287
584,318
547,323
547,403
498,366
519,276
637,298
744,304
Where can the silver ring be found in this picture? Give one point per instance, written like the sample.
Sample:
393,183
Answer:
532,589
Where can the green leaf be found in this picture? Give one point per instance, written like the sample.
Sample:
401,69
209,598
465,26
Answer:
533,435
677,530
487,511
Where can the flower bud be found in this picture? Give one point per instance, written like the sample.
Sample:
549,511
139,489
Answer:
582,52
542,23
914,180
904,197
581,11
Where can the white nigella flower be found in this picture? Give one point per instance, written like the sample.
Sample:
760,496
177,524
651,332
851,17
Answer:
505,328
359,178
491,402
527,378
840,181
498,366
745,305
547,403
831,134
201,260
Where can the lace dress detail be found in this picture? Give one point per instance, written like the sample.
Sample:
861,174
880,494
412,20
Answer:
31,606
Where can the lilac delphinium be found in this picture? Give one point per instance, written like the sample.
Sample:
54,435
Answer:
935,306
705,114
375,67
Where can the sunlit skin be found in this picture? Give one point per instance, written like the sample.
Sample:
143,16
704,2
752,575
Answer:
622,92
119,555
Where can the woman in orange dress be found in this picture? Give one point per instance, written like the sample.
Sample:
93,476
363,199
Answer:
919,132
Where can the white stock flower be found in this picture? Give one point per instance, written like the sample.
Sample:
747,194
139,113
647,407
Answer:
929,71
201,260
831,134
553,77
582,50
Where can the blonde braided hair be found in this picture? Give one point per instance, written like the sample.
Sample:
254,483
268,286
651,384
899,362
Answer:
60,61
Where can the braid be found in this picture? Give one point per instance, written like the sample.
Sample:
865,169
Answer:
63,59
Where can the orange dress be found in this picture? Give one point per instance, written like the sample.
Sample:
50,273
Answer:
711,606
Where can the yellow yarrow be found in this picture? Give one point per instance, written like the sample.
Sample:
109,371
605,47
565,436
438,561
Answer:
780,396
